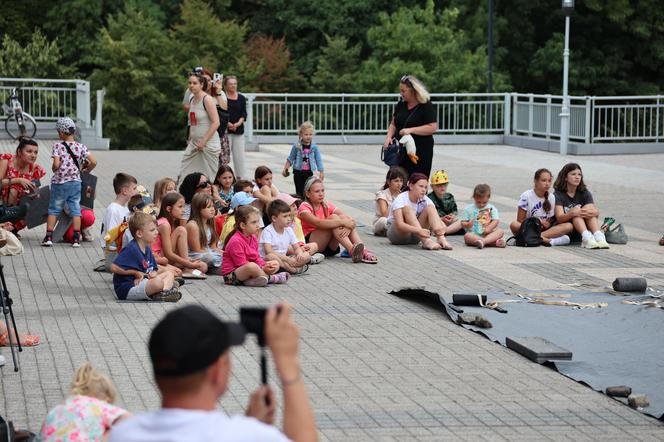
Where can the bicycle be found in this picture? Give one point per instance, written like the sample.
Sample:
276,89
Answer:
18,123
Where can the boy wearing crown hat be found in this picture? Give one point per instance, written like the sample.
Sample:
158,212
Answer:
444,202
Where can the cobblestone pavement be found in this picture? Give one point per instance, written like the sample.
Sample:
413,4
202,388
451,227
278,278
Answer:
377,367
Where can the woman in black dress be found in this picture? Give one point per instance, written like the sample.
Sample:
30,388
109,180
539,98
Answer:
414,115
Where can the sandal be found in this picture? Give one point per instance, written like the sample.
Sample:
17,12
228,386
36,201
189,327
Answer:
25,340
357,253
430,244
194,274
368,257
500,243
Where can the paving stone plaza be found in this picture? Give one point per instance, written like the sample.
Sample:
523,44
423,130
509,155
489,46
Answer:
377,367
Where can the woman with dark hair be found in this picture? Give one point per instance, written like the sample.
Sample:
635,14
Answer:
20,176
192,184
215,90
413,216
575,204
237,110
414,115
204,146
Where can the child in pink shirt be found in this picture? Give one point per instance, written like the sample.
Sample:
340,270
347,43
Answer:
242,264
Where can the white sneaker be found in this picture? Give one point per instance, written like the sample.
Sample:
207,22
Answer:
590,243
603,244
316,258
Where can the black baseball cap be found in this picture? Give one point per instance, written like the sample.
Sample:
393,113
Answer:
190,339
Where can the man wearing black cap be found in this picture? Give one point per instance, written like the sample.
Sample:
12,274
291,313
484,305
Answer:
189,349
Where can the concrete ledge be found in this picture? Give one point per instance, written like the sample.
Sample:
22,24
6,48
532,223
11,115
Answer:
378,139
576,148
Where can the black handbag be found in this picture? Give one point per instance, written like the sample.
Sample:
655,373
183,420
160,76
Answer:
224,116
88,182
393,154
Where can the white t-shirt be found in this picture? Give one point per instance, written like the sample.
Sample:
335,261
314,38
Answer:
178,425
114,216
278,241
403,200
534,205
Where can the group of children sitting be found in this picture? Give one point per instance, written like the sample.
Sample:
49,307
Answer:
247,232
406,214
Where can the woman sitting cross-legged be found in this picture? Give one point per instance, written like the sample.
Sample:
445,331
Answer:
413,216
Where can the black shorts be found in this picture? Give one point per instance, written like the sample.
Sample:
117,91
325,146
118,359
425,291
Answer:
328,251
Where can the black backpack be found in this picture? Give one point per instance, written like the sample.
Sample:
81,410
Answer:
530,233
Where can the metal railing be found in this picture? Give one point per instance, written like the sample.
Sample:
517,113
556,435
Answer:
592,119
366,114
50,99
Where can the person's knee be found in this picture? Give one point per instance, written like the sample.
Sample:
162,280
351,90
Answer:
515,226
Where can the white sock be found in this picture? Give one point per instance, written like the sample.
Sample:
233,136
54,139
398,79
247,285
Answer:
599,236
560,241
586,235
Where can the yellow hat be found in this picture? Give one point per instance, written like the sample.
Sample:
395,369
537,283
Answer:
439,177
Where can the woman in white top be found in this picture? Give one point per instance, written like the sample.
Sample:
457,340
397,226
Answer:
204,146
413,216
391,189
539,203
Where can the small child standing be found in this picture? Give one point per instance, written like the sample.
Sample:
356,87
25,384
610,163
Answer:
305,159
136,275
444,202
481,220
70,158
201,233
88,413
242,264
279,237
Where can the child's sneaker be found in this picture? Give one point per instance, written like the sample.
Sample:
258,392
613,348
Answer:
258,281
316,258
48,240
170,295
603,244
300,270
590,243
76,242
87,234
279,278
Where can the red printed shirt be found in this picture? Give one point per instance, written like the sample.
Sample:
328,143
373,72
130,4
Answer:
34,172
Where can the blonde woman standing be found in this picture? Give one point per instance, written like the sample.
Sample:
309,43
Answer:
414,115
204,146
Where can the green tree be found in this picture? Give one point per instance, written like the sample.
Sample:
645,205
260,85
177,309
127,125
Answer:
202,39
337,66
135,65
39,58
427,43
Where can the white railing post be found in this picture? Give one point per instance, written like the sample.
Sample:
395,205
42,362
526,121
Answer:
657,121
548,117
98,115
587,126
506,114
83,102
249,124
531,100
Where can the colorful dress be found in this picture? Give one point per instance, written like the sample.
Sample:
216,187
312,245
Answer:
34,172
79,418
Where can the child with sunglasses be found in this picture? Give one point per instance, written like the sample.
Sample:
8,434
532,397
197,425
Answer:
305,159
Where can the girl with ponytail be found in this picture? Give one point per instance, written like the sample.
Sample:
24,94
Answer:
538,202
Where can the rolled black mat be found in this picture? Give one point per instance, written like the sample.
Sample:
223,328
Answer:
468,299
630,285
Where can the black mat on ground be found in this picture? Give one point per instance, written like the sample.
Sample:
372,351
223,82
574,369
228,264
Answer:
616,345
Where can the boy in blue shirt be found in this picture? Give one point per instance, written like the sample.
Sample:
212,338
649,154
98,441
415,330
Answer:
136,276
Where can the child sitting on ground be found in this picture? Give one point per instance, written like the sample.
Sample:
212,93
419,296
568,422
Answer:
70,158
223,188
264,190
161,188
481,220
296,224
88,413
124,186
201,234
172,241
444,202
539,203
327,226
136,275
305,158
242,264
278,237
393,186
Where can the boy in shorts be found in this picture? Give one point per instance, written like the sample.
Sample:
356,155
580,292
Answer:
136,275
70,158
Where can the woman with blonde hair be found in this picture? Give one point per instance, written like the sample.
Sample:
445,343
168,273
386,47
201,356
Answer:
87,414
414,115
